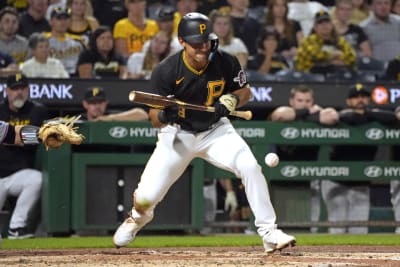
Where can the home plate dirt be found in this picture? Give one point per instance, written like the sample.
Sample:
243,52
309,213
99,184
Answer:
301,256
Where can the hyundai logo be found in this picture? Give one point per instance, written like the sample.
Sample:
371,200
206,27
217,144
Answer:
290,133
373,171
374,134
118,132
290,171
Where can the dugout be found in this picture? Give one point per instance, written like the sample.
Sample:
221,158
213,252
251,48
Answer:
88,187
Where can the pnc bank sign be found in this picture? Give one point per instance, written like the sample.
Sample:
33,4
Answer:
46,91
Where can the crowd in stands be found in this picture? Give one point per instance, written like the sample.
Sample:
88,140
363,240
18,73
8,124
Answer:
270,38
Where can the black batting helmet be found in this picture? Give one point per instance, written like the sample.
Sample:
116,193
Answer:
195,27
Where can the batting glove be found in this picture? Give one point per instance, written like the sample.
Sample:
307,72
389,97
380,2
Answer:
230,202
225,105
169,114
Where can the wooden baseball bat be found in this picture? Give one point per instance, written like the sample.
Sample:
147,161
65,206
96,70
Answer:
158,101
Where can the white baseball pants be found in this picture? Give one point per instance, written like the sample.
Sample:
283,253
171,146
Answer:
221,146
26,185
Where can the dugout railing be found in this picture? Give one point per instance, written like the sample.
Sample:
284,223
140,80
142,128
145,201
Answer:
89,187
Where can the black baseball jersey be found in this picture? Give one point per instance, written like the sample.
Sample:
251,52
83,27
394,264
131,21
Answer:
174,77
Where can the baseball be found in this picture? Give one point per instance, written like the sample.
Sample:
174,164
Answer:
271,159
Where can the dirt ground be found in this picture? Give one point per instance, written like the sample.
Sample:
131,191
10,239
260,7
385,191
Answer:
300,256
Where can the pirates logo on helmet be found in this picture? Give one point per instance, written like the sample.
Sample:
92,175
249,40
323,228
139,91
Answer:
195,27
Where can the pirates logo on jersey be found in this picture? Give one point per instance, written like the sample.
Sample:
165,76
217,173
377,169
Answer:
241,78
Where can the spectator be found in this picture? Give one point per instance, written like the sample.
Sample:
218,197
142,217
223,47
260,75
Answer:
393,69
64,46
108,12
383,31
350,200
19,5
82,23
396,7
290,33
246,28
19,178
140,65
395,184
182,8
55,4
323,51
34,20
101,60
7,65
206,6
132,32
267,60
223,28
354,34
304,12
11,42
165,22
41,65
360,12
303,108
95,103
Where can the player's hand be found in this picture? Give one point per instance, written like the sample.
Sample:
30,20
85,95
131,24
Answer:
169,114
225,105
230,202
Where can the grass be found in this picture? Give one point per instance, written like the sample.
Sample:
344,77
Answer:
198,241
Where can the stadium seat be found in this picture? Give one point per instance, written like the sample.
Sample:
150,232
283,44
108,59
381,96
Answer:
370,66
299,76
254,76
351,76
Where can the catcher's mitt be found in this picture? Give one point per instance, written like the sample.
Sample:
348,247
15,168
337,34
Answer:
56,132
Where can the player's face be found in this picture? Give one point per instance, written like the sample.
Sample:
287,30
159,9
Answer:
197,53
358,102
17,97
301,100
95,109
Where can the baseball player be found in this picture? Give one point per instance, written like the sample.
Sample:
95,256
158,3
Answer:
200,74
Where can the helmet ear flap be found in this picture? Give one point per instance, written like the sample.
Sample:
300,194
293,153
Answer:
214,41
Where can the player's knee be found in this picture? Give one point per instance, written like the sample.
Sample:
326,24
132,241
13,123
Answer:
247,165
33,178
